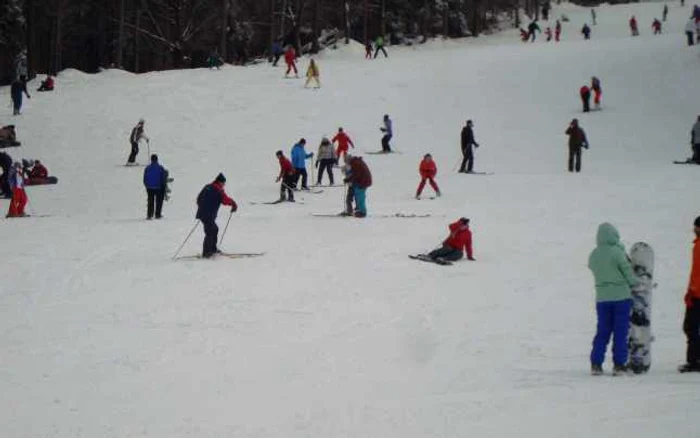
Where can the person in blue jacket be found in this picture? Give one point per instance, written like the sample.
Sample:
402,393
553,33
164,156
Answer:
155,179
208,202
388,131
299,157
277,52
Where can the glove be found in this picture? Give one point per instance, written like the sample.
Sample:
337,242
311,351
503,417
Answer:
346,180
316,164
234,208
688,300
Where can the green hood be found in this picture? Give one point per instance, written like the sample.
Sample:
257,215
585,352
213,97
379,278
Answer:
607,235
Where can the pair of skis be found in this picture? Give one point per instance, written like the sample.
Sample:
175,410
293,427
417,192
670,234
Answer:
385,216
228,255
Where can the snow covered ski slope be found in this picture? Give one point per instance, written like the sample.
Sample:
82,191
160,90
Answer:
335,332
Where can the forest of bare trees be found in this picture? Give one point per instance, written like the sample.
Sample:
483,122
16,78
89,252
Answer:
145,35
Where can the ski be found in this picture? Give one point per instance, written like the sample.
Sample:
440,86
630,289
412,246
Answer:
228,255
377,216
279,201
685,162
477,173
382,152
312,192
428,259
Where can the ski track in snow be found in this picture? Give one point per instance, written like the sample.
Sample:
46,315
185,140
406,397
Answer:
335,332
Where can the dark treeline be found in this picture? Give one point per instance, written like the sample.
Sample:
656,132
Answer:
145,35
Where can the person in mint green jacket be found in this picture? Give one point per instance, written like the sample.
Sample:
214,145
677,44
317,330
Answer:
614,278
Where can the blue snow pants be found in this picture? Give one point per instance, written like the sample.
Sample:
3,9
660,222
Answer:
613,320
360,197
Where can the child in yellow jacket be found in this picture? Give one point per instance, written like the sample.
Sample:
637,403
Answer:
313,73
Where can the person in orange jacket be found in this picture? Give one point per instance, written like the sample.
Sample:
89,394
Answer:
691,322
459,240
344,142
427,170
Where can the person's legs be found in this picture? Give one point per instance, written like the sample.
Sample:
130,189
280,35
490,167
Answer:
621,327
211,234
360,200
571,159
304,178
604,329
691,328
446,253
434,185
150,202
577,157
349,199
470,159
421,185
160,197
134,152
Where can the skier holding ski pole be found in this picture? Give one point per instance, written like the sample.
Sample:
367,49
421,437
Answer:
208,202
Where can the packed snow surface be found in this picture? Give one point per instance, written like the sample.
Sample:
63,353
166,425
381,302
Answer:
335,332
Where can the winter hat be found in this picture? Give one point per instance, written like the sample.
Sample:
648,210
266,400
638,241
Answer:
220,178
279,153
697,221
154,158
464,220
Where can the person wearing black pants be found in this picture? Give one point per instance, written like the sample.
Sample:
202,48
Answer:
287,176
691,322
155,179
467,151
325,160
577,140
208,202
136,135
5,165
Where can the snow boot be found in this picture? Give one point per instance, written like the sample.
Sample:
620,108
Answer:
689,368
619,370
596,370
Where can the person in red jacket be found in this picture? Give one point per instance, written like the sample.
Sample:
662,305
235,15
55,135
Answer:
290,57
691,322
287,177
656,26
585,94
427,170
344,143
548,33
557,31
39,171
459,240
633,26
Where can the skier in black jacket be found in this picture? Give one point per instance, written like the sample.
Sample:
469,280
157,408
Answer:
467,151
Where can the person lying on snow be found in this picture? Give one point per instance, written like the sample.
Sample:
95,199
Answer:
47,84
459,240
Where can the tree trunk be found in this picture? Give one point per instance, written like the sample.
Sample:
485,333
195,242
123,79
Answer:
272,27
446,19
137,39
31,38
347,22
383,27
59,37
120,41
224,29
365,32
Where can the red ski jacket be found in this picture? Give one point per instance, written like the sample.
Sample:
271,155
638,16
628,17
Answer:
343,140
427,169
224,197
39,171
460,238
584,91
290,56
286,167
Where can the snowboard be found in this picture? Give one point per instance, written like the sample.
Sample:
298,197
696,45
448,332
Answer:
639,342
41,181
428,259
9,144
393,151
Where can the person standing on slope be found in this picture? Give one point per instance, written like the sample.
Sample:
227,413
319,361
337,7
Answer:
690,29
548,33
597,91
388,131
137,134
325,159
557,31
18,88
586,31
208,202
379,43
368,49
531,29
6,166
299,157
665,12
593,17
656,26
290,57
344,143
19,196
691,322
467,151
313,73
287,177
633,26
360,178
276,51
577,140
585,94
614,279
458,242
155,179
427,170
695,142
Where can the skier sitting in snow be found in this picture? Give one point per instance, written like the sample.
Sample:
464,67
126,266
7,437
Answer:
208,202
46,85
459,240
614,279
8,136
38,171
427,170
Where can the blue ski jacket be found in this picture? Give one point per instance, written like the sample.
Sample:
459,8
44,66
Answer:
299,156
154,176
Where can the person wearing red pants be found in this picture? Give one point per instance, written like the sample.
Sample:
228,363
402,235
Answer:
19,196
344,143
290,57
597,91
427,170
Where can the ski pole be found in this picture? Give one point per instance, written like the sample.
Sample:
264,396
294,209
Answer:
226,227
186,238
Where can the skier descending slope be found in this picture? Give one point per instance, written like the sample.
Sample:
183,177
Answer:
691,322
344,143
614,277
208,202
137,134
427,170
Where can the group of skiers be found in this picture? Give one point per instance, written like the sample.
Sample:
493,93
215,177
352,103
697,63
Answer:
15,176
533,28
585,94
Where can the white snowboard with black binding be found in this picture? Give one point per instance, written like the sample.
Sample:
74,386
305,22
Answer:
640,337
